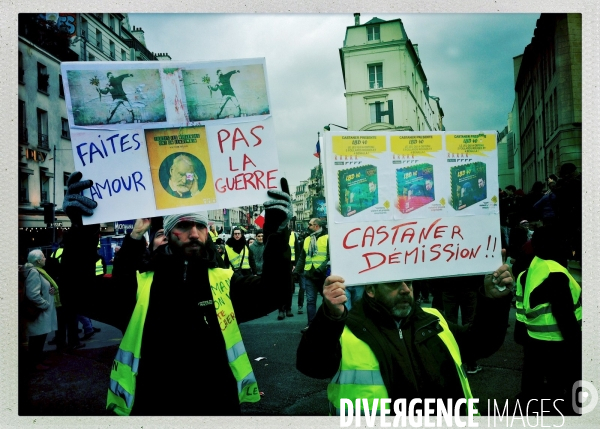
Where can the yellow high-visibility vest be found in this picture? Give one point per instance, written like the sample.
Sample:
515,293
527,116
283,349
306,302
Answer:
318,258
121,393
541,323
235,259
359,375
293,245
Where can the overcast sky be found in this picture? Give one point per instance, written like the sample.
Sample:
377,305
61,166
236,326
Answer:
467,58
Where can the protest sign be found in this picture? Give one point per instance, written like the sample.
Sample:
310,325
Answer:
160,138
411,205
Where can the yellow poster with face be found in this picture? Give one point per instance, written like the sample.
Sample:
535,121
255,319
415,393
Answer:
180,167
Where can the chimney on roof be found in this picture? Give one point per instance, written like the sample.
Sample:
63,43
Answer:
138,33
357,19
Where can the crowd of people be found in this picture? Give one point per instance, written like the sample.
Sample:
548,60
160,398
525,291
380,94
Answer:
557,202
372,341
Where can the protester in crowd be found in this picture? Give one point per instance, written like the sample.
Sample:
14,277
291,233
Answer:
67,334
184,310
41,299
312,264
256,249
387,346
212,230
534,195
295,252
549,316
237,253
569,192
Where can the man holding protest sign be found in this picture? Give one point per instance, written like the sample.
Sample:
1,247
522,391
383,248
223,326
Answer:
182,313
387,346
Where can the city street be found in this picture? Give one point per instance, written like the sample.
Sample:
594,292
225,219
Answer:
77,382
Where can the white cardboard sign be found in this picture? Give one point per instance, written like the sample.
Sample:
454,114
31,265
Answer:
160,138
412,205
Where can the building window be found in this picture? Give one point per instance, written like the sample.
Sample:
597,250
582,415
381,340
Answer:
44,186
123,55
112,50
375,76
99,39
65,129
61,88
22,123
84,30
42,120
372,32
23,187
42,78
21,69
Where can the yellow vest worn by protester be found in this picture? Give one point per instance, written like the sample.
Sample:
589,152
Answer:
359,375
520,315
318,258
540,322
99,267
293,245
57,254
235,259
121,393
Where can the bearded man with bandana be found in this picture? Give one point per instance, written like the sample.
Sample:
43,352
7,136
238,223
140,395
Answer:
182,352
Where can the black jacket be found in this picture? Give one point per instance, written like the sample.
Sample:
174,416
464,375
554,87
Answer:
414,363
183,368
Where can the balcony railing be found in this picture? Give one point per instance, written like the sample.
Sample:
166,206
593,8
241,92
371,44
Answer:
43,141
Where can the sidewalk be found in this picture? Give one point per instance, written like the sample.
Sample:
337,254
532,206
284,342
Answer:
77,382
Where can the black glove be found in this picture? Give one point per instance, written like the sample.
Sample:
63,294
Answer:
278,210
76,205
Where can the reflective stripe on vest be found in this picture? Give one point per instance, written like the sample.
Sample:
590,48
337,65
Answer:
541,323
359,375
235,258
293,245
519,301
121,393
318,258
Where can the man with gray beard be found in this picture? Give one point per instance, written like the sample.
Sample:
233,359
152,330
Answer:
387,346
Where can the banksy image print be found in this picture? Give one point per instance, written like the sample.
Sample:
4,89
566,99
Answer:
226,91
109,96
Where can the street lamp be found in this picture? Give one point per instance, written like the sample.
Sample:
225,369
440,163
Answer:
328,128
